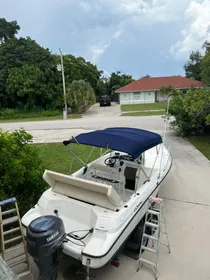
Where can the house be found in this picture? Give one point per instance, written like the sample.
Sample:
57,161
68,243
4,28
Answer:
147,90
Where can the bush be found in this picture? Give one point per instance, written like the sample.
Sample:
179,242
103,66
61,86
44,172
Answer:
21,169
191,111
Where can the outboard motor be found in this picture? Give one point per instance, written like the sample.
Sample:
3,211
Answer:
45,236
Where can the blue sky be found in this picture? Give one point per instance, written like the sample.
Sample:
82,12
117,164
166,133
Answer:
133,36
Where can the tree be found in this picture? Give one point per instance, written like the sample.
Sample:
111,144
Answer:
191,111
146,76
205,69
26,86
206,46
193,66
167,90
80,94
118,80
16,53
76,68
21,169
102,87
8,29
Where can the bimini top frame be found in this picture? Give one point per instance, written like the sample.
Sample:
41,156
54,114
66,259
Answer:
123,139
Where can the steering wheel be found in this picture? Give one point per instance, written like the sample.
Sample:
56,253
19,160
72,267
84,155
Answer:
110,161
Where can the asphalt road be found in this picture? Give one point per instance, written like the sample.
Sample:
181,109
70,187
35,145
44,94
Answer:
186,194
153,123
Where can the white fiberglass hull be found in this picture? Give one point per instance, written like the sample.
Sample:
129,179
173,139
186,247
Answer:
110,228
137,213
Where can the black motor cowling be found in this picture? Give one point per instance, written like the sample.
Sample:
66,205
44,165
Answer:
45,237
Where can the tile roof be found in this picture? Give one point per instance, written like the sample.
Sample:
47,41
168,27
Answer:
178,82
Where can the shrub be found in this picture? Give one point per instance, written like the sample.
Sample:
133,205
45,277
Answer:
21,169
191,111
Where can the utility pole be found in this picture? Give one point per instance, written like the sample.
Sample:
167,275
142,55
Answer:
64,86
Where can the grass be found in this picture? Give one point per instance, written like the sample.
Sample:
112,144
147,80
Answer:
151,113
33,119
57,157
202,143
142,107
16,115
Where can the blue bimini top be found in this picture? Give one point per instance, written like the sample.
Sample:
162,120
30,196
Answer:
124,139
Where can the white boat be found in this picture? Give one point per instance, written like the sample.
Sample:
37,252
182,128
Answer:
104,202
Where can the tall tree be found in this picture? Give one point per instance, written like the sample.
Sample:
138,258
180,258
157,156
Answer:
193,66
26,86
205,69
206,46
76,68
15,53
118,80
80,94
8,29
102,87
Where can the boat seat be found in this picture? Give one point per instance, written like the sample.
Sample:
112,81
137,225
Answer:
88,191
111,176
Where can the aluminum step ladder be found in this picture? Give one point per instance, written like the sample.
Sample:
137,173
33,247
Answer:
5,272
13,244
155,219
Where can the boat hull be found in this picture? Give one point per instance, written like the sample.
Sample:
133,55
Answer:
124,222
100,261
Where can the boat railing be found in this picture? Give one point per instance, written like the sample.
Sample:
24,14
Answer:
169,156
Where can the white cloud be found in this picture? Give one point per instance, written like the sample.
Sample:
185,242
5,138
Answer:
97,51
197,30
117,35
129,15
85,6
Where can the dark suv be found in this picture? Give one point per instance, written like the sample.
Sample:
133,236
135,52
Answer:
105,100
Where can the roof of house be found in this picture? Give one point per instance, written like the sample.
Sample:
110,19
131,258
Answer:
145,84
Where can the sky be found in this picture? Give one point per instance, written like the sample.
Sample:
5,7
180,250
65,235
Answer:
136,37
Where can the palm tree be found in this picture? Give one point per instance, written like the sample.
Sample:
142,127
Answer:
80,94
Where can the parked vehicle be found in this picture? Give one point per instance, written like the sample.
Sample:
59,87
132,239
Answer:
105,100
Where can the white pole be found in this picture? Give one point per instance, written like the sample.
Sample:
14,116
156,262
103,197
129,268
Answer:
64,86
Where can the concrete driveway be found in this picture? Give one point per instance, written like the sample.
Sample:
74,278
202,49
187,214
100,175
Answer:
104,111
186,193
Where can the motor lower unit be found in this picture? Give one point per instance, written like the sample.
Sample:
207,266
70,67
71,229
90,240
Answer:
45,237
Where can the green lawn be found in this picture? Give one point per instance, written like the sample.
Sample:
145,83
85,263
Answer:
18,115
142,107
202,143
151,113
41,118
57,157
